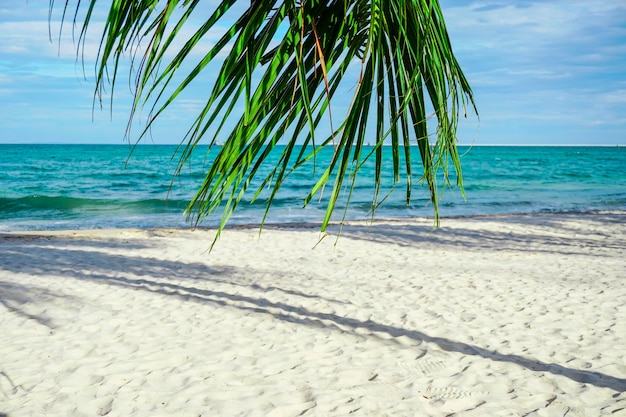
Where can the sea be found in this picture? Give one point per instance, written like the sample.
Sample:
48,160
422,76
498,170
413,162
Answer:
56,187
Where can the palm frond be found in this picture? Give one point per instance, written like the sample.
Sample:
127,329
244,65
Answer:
284,62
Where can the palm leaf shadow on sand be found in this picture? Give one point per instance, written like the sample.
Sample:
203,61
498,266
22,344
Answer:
14,296
118,270
569,241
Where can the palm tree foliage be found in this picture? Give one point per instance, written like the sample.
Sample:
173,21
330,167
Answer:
282,64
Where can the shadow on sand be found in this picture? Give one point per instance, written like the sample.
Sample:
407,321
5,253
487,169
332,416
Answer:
139,273
546,232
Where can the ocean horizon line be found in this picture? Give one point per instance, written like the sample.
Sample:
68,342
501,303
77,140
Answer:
514,145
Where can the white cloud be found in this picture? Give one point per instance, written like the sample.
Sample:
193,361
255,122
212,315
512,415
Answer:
552,60
536,30
614,97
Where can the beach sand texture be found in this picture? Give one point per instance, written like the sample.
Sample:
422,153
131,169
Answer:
488,316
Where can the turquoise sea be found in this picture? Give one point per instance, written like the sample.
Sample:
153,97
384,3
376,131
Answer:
48,187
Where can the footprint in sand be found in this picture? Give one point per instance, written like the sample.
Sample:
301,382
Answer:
557,407
105,406
433,367
448,393
429,367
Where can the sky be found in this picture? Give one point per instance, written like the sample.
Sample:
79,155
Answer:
549,72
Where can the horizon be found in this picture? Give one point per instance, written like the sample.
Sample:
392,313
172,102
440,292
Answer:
367,145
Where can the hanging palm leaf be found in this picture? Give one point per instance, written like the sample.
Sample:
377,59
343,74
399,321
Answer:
285,61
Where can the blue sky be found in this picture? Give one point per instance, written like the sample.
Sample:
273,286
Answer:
543,72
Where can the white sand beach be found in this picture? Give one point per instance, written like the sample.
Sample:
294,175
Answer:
488,316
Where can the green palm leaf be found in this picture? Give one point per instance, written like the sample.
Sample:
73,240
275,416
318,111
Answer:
284,64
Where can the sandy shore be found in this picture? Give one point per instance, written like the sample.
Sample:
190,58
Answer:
494,316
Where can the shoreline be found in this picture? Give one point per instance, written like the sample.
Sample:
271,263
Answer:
490,315
419,220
